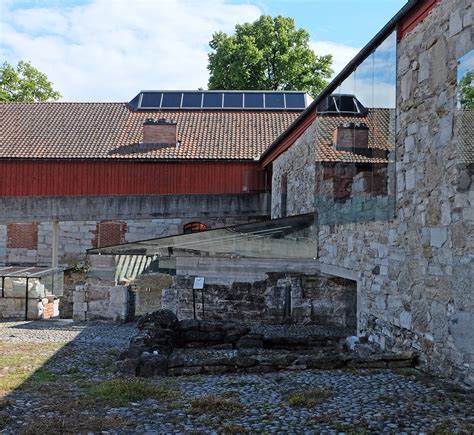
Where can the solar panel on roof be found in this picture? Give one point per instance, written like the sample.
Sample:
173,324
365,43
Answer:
171,99
275,100
192,99
213,99
151,99
233,100
230,100
295,101
253,100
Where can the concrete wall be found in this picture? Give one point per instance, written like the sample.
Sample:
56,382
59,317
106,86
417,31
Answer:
415,271
94,208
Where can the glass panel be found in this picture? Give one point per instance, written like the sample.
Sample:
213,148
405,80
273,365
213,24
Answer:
275,100
151,99
253,100
212,100
355,137
295,101
233,100
192,99
465,118
171,100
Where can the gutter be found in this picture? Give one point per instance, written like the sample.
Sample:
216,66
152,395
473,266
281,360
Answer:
347,71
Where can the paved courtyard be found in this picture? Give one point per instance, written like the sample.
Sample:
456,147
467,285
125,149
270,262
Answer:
59,377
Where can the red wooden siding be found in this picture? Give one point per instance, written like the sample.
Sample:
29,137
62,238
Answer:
415,17
80,178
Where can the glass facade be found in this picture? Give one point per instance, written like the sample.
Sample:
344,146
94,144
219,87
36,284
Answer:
465,107
355,143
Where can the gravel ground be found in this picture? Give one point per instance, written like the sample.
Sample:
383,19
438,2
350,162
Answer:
311,401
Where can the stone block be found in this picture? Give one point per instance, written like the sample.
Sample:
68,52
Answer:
405,320
455,23
438,236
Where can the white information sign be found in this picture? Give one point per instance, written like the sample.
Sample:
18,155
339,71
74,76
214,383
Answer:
198,283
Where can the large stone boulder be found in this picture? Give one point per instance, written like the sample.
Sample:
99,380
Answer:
164,319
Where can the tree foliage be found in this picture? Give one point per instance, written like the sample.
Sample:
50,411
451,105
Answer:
268,54
466,91
25,83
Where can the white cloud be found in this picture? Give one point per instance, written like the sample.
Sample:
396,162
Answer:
341,54
107,50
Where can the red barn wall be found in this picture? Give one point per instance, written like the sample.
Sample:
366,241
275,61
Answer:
82,178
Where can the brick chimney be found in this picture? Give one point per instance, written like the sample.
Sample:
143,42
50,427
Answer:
350,136
159,131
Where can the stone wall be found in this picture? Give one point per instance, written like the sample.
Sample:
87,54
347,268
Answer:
415,271
147,290
294,297
298,164
98,298
38,308
75,237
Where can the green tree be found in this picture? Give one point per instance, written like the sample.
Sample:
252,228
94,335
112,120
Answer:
25,83
466,91
268,54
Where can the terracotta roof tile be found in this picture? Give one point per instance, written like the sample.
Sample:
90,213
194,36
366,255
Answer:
107,130
381,123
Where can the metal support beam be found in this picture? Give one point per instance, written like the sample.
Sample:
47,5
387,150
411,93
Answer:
26,299
55,244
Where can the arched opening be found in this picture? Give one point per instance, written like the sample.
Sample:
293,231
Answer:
194,227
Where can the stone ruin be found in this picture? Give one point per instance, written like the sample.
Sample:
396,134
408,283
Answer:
167,346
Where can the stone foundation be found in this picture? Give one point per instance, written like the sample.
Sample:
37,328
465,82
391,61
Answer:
282,297
236,347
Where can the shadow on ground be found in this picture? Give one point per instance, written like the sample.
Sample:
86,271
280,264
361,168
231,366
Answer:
59,377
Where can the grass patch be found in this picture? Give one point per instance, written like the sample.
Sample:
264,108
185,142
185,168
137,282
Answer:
4,403
121,391
215,404
20,361
4,420
41,376
71,424
308,398
321,419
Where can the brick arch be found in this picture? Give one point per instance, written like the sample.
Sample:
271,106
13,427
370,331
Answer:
194,227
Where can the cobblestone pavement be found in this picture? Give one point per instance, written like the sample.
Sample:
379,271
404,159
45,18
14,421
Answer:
311,401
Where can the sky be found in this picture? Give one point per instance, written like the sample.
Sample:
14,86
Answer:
109,50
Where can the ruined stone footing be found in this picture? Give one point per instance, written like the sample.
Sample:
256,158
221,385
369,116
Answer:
256,361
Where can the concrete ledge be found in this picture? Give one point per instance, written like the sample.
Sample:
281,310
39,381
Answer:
83,208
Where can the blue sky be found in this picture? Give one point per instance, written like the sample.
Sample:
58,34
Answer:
107,50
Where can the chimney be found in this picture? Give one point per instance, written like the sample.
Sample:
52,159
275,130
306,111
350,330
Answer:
350,137
159,131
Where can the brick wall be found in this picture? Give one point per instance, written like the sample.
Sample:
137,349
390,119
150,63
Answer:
24,235
109,234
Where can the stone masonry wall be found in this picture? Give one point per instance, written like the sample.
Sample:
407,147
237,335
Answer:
298,164
290,296
75,237
98,298
415,271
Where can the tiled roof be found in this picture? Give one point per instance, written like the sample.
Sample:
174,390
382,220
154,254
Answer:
381,127
106,130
